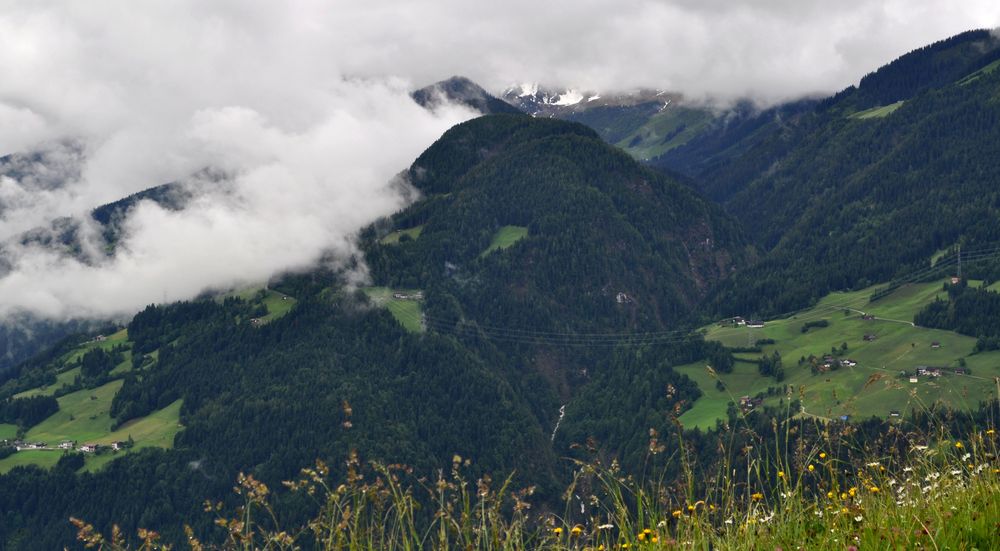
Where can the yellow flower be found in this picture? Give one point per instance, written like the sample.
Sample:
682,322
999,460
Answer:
757,496
654,539
576,530
691,508
853,491
641,536
822,455
959,445
990,432
647,531
830,494
843,495
677,513
557,530
711,507
781,474
874,489
811,468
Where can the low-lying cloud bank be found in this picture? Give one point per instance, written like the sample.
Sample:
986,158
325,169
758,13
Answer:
294,196
304,106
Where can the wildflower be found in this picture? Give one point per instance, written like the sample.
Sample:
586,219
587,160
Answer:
874,489
690,508
576,530
966,457
711,507
654,539
781,474
677,513
606,527
990,432
859,518
647,531
811,468
822,455
830,494
843,495
557,530
757,496
641,536
853,491
959,445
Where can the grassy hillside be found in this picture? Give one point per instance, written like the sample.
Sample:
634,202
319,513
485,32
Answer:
669,128
407,311
84,415
394,237
505,237
873,386
878,111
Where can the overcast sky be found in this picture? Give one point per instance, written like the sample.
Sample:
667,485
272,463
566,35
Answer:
305,104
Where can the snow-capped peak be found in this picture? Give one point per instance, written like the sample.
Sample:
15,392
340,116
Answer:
569,97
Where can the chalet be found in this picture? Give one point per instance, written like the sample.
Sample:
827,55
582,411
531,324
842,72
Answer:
955,280
100,338
935,344
404,296
66,445
88,448
913,379
849,362
747,403
756,324
961,371
925,371
117,445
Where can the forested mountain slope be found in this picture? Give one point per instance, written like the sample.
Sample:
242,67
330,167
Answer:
537,244
860,190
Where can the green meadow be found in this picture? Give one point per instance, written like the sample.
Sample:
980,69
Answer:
393,238
876,112
505,237
873,386
407,312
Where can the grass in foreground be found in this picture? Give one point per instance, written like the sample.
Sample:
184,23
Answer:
820,494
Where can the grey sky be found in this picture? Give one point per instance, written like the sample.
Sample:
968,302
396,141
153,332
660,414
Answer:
305,102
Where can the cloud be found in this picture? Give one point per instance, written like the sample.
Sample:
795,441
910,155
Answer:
304,105
294,196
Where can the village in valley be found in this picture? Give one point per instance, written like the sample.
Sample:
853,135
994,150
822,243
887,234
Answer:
847,357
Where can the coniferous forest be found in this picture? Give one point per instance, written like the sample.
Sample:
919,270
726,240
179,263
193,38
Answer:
527,313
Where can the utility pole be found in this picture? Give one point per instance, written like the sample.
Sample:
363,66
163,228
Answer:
959,262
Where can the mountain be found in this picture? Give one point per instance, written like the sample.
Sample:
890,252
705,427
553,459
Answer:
462,90
868,184
504,294
645,123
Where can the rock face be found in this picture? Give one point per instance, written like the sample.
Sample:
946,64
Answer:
464,91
